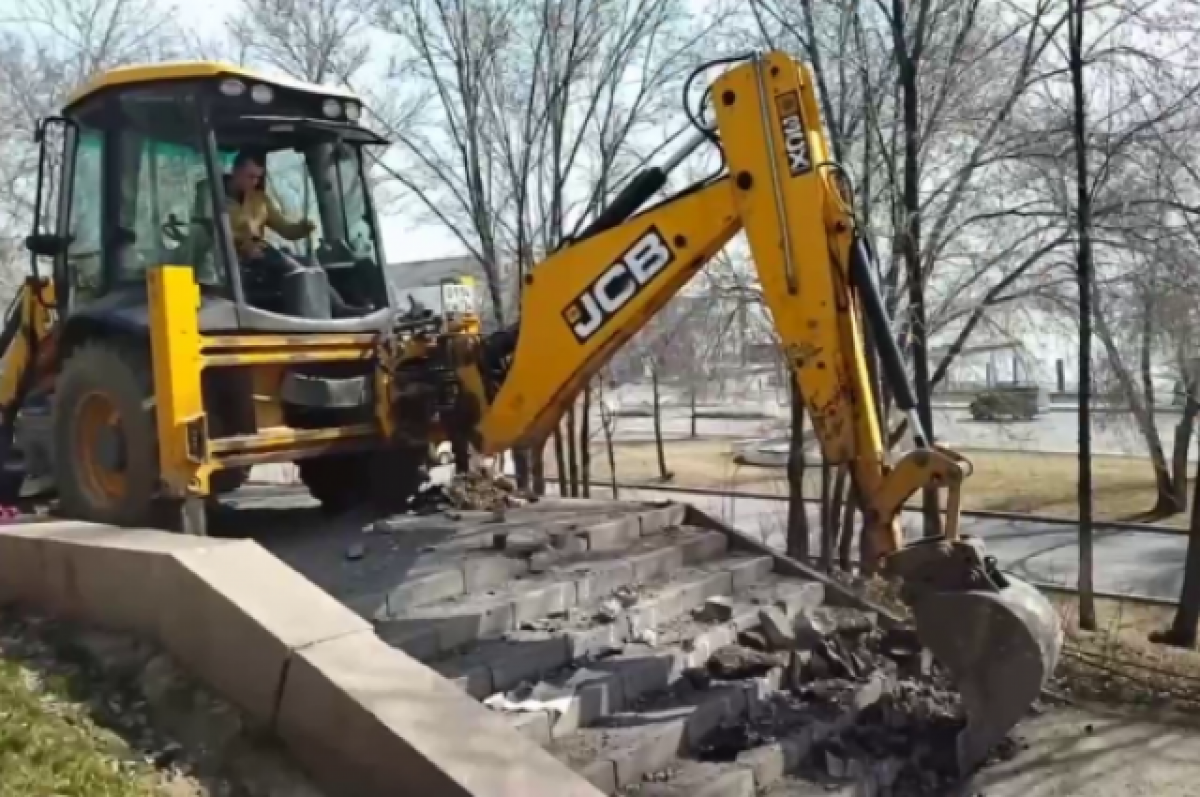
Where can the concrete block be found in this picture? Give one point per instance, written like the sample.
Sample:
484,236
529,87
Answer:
601,773
233,615
595,580
400,726
427,588
21,567
489,572
533,725
475,680
657,520
659,563
770,763
529,660
86,571
596,640
539,602
747,572
462,622
651,748
417,638
599,697
703,546
796,597
613,535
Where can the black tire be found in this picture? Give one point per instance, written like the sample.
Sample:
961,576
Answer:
376,481
224,482
339,483
103,376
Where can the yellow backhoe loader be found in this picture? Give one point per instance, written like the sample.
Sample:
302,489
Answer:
165,367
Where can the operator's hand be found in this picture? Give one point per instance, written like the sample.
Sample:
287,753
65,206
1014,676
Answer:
309,226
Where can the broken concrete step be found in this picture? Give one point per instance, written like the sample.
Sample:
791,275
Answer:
468,555
436,629
497,665
626,747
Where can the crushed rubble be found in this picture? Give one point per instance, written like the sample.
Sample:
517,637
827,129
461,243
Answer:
862,698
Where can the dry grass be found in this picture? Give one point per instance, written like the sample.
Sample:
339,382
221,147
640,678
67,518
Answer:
1118,663
1038,484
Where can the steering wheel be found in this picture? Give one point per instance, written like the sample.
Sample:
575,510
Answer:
175,230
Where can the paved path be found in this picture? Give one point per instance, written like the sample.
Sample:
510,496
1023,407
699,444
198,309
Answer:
1097,753
1127,562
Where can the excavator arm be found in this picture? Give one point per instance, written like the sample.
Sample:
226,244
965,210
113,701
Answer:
999,637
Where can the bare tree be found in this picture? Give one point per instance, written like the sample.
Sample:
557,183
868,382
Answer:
47,49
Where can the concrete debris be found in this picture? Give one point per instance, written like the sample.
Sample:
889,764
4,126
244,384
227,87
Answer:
853,697
735,663
717,609
539,697
777,628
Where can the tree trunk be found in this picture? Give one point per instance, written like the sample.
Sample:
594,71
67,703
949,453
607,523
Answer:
828,527
1183,630
572,452
693,421
537,467
1184,431
659,448
845,530
908,62
1087,597
797,528
522,469
560,463
585,445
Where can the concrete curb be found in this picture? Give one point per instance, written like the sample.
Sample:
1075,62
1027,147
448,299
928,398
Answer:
361,717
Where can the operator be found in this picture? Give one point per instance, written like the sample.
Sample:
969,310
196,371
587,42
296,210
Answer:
251,211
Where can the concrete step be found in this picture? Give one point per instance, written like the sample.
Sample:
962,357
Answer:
624,749
416,560
512,597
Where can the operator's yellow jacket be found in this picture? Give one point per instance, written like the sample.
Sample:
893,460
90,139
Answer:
256,212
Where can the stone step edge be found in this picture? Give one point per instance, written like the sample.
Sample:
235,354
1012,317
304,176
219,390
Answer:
478,575
620,688
426,636
561,649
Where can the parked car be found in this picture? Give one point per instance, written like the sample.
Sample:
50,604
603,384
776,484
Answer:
1009,402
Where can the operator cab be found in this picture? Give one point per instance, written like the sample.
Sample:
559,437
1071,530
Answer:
145,156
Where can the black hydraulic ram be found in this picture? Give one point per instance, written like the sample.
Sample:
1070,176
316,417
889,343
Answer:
863,278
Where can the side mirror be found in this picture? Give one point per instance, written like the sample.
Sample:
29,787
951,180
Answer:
46,244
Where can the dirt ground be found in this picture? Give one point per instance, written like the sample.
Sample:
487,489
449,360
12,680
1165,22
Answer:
91,714
1038,484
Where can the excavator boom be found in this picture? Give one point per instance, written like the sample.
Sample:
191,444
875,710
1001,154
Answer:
997,636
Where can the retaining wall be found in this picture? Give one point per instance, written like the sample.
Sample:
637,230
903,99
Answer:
361,717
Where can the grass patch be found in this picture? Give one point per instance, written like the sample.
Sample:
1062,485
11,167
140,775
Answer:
1118,664
1036,484
49,744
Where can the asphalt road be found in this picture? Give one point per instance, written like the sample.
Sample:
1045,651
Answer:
1126,562
1112,433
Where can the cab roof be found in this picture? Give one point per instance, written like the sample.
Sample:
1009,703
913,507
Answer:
194,70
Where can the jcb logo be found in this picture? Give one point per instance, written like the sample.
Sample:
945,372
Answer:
795,143
616,287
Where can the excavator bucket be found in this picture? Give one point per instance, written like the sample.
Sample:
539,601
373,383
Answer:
1000,648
